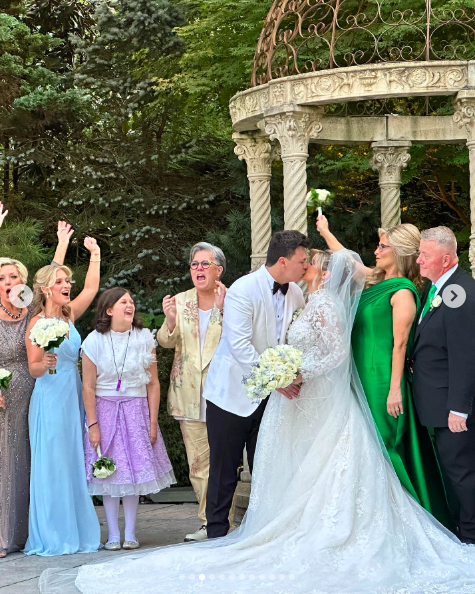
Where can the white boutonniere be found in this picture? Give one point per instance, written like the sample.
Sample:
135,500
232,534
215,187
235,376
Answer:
436,302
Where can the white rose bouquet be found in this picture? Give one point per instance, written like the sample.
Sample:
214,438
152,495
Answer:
5,379
103,467
316,199
277,368
48,334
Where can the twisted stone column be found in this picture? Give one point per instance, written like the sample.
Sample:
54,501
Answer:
257,151
389,159
465,117
293,129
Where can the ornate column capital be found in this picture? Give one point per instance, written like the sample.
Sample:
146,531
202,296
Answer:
389,159
465,113
293,128
257,151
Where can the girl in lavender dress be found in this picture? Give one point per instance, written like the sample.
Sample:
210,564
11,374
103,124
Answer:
121,395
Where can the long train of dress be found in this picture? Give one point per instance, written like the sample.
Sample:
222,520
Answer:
327,513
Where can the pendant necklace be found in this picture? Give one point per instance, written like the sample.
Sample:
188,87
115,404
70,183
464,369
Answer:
119,377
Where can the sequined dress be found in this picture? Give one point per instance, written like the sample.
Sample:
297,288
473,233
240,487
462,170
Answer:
14,443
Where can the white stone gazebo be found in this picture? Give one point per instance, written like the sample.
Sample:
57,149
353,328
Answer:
300,72
314,55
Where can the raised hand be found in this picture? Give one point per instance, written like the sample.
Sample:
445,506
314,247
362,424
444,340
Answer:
322,224
219,295
2,402
169,309
3,214
65,232
91,245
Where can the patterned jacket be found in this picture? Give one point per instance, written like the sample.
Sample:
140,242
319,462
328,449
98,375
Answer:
190,367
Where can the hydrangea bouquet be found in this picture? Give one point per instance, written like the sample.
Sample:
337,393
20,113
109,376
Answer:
5,379
316,199
103,467
48,334
277,368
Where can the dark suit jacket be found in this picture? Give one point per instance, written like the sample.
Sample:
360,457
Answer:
444,357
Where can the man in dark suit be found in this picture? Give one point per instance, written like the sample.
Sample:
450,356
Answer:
444,370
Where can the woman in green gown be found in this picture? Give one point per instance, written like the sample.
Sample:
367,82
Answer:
382,334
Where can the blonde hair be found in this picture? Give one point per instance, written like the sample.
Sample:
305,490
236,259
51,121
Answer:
45,278
320,259
404,240
22,271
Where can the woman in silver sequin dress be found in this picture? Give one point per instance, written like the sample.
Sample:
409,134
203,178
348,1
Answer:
14,444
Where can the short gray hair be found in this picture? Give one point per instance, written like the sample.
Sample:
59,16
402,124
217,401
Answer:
443,236
217,252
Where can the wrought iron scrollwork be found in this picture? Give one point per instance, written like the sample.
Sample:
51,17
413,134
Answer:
301,36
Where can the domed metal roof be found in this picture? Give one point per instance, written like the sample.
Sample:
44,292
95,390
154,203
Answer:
301,36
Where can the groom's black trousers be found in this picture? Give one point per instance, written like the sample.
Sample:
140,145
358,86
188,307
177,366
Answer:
227,435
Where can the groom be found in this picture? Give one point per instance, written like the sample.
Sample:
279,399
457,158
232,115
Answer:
444,371
258,310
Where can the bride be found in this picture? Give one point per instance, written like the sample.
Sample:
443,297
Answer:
327,513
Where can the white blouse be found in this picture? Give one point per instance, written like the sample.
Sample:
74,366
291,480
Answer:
135,358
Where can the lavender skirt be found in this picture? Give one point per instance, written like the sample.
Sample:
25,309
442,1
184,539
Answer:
142,468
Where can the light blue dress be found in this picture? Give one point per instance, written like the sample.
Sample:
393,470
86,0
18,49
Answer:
62,517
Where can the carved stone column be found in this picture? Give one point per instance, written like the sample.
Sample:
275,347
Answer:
465,117
293,129
255,148
389,159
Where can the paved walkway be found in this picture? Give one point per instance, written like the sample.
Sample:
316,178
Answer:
159,524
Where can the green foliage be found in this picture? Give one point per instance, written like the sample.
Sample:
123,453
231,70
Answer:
22,240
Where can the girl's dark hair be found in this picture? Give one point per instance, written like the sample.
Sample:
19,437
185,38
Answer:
107,300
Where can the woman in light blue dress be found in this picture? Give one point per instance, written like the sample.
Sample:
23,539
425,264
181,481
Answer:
62,518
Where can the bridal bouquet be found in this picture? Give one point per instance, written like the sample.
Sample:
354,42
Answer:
48,334
103,467
5,379
316,199
277,368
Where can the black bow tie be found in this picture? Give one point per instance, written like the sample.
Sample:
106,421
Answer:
278,287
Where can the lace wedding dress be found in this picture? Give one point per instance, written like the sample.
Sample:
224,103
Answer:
327,513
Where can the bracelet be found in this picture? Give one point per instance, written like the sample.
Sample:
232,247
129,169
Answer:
54,263
92,425
91,260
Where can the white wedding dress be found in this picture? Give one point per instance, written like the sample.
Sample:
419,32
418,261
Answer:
327,513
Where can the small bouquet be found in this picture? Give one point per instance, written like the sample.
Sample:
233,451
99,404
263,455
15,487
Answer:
48,334
5,379
277,368
103,467
316,199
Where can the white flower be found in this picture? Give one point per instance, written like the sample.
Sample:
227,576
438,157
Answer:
323,195
101,473
4,373
436,301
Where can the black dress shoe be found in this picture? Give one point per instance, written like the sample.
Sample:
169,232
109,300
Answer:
468,540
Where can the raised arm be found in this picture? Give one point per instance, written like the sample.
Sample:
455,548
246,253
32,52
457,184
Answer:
332,242
3,214
64,233
91,284
237,327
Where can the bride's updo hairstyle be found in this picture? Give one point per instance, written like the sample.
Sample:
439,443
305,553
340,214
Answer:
45,279
107,300
404,240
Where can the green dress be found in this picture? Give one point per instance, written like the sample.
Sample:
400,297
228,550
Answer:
408,443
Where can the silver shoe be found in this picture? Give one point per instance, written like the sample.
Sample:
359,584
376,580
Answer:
130,544
112,546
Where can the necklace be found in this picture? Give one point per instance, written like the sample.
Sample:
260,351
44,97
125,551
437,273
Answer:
119,377
13,316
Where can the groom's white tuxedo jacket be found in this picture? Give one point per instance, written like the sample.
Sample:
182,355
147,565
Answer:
249,328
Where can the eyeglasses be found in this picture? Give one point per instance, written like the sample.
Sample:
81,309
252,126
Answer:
205,264
381,247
